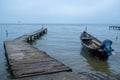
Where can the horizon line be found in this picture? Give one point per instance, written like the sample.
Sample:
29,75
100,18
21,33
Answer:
59,24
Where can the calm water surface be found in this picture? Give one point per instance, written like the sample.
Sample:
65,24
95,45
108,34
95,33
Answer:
63,43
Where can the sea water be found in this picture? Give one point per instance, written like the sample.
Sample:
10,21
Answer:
62,42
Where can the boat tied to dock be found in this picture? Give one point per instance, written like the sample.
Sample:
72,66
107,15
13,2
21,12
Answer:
92,45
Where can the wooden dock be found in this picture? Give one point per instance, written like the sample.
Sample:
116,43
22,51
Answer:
25,60
114,27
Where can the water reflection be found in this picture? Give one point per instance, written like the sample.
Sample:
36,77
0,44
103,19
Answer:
95,64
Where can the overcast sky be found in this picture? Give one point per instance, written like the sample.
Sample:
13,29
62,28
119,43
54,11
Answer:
60,11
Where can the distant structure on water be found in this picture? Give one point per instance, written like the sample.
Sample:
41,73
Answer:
114,27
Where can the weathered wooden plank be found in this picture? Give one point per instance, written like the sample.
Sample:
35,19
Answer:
46,70
40,64
26,60
32,61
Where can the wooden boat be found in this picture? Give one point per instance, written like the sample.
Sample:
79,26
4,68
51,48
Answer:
91,45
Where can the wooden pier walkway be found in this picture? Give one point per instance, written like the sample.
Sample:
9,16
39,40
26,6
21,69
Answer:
114,27
25,60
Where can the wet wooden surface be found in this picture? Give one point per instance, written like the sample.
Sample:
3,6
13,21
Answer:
26,60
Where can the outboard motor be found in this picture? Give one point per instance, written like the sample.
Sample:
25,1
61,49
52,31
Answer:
106,46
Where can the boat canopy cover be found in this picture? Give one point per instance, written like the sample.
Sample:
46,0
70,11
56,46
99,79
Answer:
106,46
